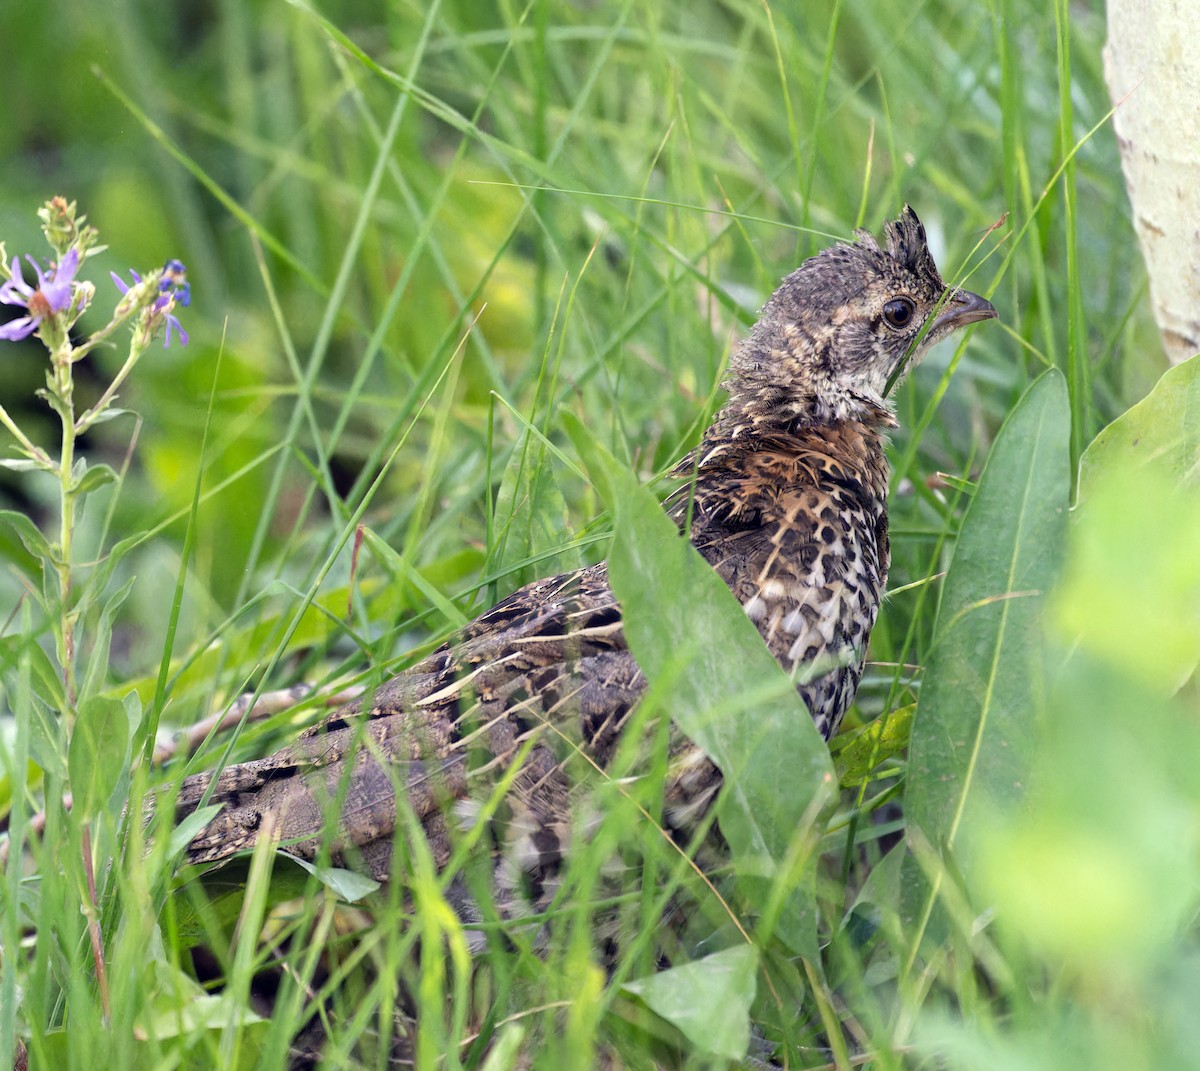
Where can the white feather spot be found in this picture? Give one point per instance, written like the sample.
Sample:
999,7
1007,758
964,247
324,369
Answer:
466,813
795,622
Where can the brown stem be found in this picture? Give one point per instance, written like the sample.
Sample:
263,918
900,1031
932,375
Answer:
92,911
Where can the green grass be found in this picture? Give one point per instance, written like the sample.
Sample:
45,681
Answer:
428,245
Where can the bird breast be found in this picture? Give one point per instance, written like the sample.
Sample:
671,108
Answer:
796,525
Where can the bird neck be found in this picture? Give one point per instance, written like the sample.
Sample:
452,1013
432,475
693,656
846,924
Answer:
762,453
765,412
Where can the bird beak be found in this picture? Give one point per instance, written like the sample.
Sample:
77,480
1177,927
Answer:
961,308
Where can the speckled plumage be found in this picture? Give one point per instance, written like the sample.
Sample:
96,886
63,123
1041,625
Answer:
786,498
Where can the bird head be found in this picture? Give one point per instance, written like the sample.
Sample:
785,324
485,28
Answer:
845,325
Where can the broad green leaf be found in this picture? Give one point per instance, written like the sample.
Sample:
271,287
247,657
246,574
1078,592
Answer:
348,885
1131,590
47,738
975,725
729,695
88,478
217,897
707,1000
97,754
177,1005
205,1011
857,758
36,707
1162,432
881,889
49,677
28,532
1102,874
97,665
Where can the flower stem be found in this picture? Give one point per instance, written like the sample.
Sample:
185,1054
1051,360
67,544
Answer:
89,344
64,389
102,403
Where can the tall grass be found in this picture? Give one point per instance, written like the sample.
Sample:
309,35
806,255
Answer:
426,243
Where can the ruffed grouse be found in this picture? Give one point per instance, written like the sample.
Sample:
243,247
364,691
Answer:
786,496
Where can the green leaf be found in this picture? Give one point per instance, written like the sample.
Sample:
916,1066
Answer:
975,725
1161,432
167,1018
881,890
50,394
97,754
1139,502
728,694
48,677
858,757
1131,592
217,898
347,885
86,478
37,706
109,562
28,533
98,661
106,415
707,1000
176,1005
1102,875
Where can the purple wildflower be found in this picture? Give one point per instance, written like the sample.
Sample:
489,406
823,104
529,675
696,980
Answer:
174,278
51,296
167,301
121,284
173,289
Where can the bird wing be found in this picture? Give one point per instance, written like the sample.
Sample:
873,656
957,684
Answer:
552,654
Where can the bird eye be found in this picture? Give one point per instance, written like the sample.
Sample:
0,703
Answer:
899,312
